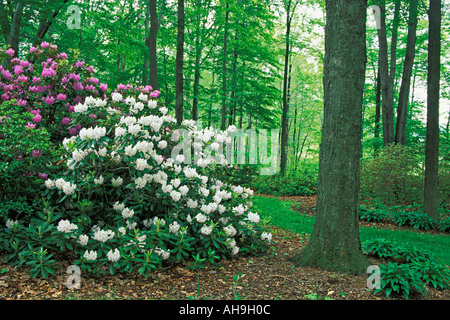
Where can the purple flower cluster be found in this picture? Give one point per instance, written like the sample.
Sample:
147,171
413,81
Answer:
47,83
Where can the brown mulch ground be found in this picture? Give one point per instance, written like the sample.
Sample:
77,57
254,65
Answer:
267,277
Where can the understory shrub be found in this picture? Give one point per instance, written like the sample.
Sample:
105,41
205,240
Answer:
24,153
393,175
291,185
137,191
408,270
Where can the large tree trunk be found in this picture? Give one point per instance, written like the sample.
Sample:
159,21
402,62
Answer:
335,243
431,190
151,44
179,63
387,113
402,109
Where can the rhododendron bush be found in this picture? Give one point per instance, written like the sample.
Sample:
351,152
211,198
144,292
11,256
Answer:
135,191
132,195
49,86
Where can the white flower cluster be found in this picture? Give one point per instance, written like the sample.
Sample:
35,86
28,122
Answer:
103,235
67,187
139,169
113,255
66,226
92,133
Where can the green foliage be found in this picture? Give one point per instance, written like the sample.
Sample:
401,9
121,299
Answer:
290,185
408,270
444,225
24,154
393,175
400,279
377,215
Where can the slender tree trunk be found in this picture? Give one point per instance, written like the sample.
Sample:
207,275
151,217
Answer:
179,63
224,71
151,44
45,23
431,187
145,66
393,62
386,111
13,37
335,243
377,108
402,109
284,116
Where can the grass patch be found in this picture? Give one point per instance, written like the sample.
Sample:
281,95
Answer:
280,215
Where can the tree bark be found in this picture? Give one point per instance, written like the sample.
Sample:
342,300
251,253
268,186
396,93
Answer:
224,71
402,109
431,187
393,62
335,243
13,37
179,63
151,44
45,23
387,113
377,109
284,116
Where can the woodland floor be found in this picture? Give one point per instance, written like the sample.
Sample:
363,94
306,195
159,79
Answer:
267,277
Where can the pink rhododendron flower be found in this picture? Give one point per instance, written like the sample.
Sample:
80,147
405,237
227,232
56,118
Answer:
33,89
6,74
37,118
61,97
10,51
33,49
155,94
43,176
103,87
36,153
18,70
22,78
45,44
49,100
30,125
24,63
77,86
36,80
65,121
48,72
74,76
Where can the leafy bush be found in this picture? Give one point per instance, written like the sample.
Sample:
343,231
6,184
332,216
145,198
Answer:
382,248
408,269
400,279
49,86
433,274
130,197
394,175
372,214
24,153
421,220
444,225
294,185
400,218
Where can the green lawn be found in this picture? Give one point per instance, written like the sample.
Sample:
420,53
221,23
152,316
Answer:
280,215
